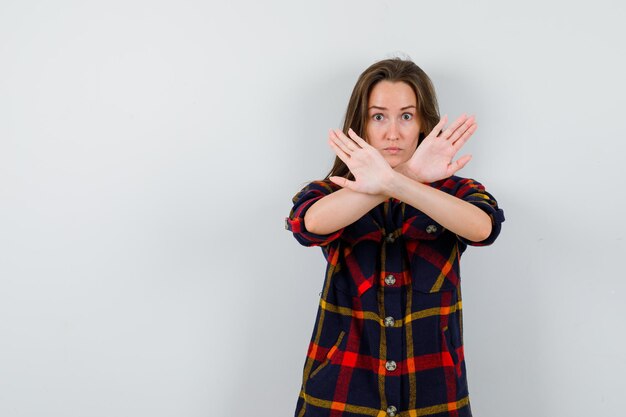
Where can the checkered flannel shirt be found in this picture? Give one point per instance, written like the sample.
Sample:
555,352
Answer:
388,336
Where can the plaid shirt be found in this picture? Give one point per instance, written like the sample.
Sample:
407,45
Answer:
388,336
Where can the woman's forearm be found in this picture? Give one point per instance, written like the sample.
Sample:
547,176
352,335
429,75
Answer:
343,207
339,209
454,214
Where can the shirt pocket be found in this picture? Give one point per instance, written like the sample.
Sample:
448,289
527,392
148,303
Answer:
364,229
329,356
428,278
432,284
419,226
356,270
434,265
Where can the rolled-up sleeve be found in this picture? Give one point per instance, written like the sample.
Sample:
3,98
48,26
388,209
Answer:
304,199
470,190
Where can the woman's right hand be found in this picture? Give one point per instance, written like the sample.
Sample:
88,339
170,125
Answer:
432,160
370,169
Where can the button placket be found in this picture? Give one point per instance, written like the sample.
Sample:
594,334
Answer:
390,279
391,365
391,261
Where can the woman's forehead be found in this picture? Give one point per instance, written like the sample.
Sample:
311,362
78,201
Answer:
387,95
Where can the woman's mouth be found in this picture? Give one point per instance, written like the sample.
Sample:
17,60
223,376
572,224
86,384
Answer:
392,149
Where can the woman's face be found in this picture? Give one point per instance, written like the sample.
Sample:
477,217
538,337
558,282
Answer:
392,123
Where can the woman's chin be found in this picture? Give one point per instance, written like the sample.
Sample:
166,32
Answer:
394,161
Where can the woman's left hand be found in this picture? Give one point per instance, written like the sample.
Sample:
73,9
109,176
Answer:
432,160
370,169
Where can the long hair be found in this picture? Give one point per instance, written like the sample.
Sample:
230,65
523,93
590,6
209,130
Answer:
394,70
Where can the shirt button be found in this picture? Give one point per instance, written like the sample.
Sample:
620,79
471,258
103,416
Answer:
389,321
389,238
431,228
390,279
390,365
391,411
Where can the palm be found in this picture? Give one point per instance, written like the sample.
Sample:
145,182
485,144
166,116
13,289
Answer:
369,167
432,160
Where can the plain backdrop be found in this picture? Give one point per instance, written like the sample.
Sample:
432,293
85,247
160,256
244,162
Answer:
149,151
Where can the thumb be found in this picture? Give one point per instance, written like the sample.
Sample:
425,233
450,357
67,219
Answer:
459,163
342,182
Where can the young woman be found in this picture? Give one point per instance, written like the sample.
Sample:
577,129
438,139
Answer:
392,220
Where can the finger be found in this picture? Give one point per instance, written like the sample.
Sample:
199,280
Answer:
454,126
458,164
339,143
461,129
348,143
439,126
339,152
361,142
342,182
462,161
464,138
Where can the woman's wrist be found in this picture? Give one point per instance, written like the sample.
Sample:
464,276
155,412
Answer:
393,183
404,170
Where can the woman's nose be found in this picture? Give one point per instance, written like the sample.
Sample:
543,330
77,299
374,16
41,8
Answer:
392,132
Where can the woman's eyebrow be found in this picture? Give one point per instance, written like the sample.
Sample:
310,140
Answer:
385,108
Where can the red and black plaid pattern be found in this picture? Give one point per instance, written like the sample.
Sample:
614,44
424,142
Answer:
388,336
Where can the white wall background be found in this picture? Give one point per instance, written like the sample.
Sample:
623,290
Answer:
149,151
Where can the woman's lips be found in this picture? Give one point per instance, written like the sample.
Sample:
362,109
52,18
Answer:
392,150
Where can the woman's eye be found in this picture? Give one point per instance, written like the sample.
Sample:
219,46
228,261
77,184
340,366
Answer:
407,116
378,117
